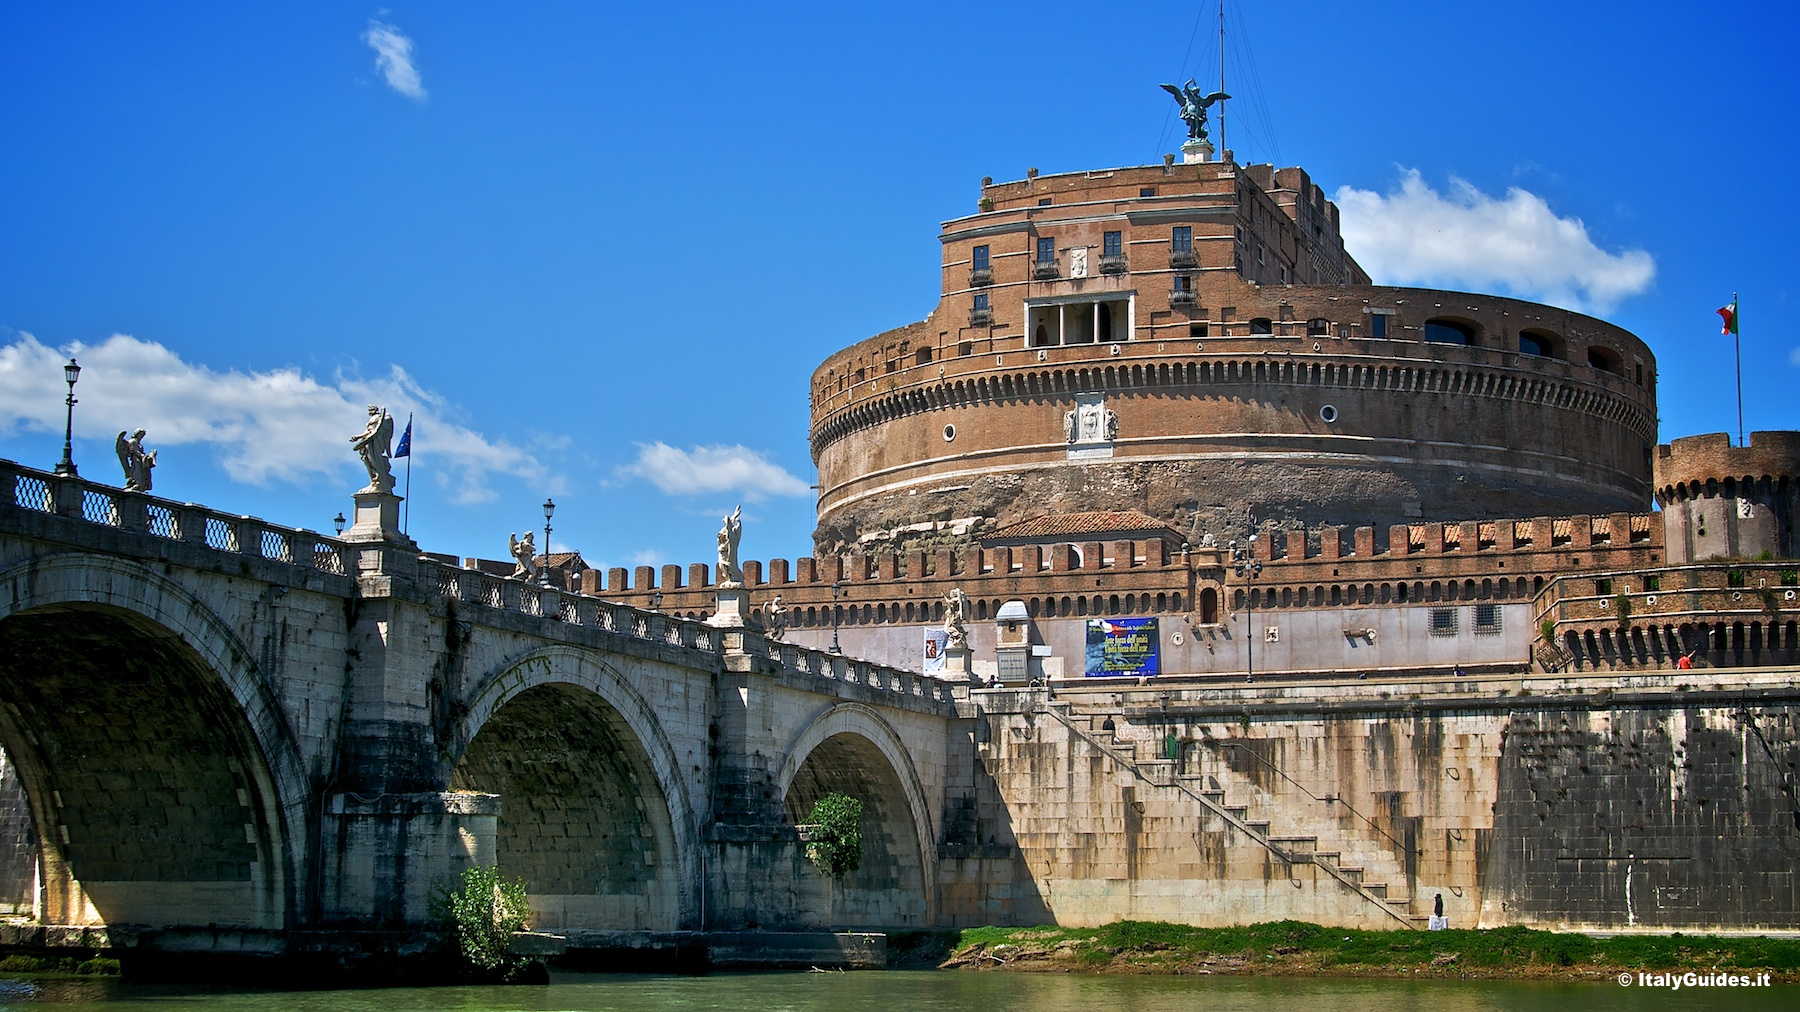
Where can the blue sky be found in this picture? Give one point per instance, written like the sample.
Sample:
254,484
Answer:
600,248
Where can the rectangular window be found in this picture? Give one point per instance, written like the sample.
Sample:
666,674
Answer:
1046,250
1734,578
1181,283
1653,583
1227,314
1182,240
1602,586
981,301
1148,191
1196,330
1378,325
1043,201
1487,620
1789,578
1110,244
979,258
1443,621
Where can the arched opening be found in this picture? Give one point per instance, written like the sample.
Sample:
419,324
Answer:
887,889
1209,606
149,796
1541,343
1605,359
583,818
1450,332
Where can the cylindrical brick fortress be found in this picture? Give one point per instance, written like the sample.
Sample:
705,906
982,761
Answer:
1192,341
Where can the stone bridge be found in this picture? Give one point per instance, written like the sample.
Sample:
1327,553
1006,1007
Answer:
223,723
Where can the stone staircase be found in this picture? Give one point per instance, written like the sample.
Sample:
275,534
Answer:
1362,864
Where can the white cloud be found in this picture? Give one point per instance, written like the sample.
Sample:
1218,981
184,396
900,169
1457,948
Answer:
1463,237
646,557
279,425
708,469
394,58
1794,357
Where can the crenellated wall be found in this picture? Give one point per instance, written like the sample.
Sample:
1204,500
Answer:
1724,501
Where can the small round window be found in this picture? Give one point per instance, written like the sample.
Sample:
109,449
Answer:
949,433
1328,413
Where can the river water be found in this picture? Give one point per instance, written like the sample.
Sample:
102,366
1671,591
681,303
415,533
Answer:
922,991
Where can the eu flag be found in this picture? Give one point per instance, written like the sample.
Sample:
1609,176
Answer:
405,447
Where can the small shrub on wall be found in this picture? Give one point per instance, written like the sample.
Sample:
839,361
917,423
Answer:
481,914
834,844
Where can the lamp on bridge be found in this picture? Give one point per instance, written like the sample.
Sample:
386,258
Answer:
837,592
1245,564
66,466
544,570
337,522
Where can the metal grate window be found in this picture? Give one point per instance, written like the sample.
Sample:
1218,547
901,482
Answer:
32,494
1443,621
220,535
98,508
326,558
1487,620
160,521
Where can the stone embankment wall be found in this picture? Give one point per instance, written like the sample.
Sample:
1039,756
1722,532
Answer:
1592,803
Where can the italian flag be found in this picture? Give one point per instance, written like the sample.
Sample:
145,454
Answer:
1728,314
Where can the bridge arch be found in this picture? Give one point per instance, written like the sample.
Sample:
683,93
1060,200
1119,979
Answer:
851,748
606,836
164,779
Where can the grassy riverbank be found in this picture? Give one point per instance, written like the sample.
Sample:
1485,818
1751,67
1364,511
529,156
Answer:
1296,948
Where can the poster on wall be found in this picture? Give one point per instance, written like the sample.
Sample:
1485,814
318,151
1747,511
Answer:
935,639
1122,647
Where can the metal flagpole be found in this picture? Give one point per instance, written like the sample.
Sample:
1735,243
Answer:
1737,354
1221,79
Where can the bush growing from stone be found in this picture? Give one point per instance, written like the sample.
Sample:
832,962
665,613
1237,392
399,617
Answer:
481,914
836,845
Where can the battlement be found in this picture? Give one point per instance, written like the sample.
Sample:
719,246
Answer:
1317,567
1699,466
1617,530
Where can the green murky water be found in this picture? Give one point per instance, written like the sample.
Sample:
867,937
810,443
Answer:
924,991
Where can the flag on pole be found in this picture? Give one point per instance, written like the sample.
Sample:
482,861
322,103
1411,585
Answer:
1729,314
405,447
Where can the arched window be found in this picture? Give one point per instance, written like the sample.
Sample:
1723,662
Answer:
1040,337
1209,606
1449,332
1540,343
1261,325
1605,360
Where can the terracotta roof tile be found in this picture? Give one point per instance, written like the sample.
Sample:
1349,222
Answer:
1059,525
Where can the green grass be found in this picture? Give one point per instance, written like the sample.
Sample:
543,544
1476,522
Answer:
1499,947
18,964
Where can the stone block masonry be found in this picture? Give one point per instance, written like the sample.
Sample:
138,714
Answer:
228,736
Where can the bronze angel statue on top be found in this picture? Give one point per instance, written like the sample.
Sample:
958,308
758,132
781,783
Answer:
1193,106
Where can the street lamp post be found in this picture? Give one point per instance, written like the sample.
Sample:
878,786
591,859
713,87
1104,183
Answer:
837,591
1248,569
66,466
655,600
337,522
544,570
